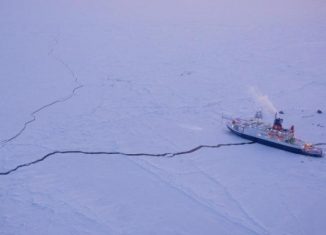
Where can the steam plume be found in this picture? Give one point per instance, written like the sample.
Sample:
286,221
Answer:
262,100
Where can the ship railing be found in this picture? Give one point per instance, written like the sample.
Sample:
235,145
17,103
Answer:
310,148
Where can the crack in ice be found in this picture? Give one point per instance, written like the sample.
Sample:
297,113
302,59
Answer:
166,155
61,100
196,199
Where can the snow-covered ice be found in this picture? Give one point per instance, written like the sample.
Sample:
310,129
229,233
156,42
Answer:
156,77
